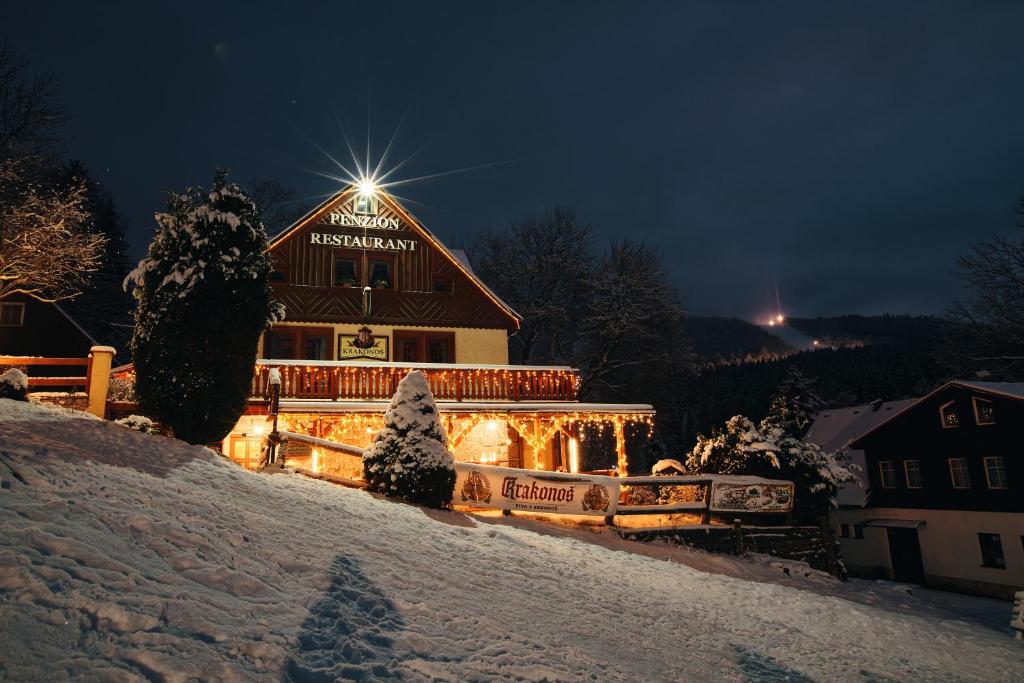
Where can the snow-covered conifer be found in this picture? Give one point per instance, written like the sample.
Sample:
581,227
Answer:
409,458
768,451
204,298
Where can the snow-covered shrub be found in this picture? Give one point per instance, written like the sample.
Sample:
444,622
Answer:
766,451
121,389
14,385
204,299
139,423
409,458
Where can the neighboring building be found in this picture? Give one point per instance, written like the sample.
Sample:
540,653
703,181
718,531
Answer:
370,293
29,327
944,478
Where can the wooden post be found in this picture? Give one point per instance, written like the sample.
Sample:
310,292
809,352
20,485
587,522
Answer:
100,360
620,448
737,525
830,550
705,517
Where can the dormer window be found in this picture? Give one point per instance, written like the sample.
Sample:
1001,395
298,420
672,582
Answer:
984,411
949,415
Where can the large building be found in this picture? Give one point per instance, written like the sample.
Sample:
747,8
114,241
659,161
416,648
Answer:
940,501
370,294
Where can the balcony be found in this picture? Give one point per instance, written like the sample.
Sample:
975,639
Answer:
366,381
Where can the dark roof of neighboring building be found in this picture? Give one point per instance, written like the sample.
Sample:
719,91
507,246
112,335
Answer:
1012,390
834,429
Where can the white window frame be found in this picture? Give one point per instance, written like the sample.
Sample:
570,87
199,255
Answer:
975,400
881,473
1002,467
13,304
967,474
920,475
942,416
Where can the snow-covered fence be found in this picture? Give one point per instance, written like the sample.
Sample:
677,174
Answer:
322,459
586,494
94,382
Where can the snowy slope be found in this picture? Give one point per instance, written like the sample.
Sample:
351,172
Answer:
126,556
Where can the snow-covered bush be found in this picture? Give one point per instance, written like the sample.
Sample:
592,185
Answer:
409,458
765,451
121,389
14,385
204,299
139,423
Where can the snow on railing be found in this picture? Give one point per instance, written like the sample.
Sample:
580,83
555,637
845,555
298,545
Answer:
348,380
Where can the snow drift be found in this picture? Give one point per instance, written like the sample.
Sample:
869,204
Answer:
129,556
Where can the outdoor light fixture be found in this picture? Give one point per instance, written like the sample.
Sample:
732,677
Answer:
366,187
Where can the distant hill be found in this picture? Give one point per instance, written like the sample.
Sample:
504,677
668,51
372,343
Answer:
725,341
861,358
861,330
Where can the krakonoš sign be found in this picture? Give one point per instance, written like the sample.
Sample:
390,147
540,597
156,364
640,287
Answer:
529,491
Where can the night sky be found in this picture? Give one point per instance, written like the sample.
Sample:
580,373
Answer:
847,154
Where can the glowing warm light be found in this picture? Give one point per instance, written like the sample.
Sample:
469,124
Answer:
815,342
492,425
771,323
366,187
258,430
779,319
316,460
574,455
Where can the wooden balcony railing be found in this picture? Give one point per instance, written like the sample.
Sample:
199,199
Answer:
363,381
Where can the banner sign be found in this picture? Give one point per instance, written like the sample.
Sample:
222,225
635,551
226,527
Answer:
751,497
505,488
363,345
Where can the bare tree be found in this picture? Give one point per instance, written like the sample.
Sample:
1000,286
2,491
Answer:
542,269
46,252
986,331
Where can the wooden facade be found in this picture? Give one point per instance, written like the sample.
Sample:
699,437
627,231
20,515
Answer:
29,327
323,262
919,435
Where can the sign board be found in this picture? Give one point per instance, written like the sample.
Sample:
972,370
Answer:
505,488
751,497
363,347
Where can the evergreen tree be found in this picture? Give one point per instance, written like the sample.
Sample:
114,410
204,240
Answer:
203,299
794,405
409,458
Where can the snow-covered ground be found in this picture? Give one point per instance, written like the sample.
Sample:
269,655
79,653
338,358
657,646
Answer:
127,556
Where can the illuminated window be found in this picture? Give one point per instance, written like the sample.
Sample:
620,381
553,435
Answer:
345,272
912,468
949,416
365,204
995,472
12,314
279,345
991,551
380,275
984,411
888,471
959,473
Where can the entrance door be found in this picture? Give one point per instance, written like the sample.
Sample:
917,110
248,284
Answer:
905,553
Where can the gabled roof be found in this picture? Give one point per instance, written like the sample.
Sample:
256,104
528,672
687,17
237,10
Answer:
1012,390
75,323
834,429
457,258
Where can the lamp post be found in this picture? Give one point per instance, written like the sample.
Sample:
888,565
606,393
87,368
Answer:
275,399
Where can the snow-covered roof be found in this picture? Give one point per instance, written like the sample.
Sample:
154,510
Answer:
834,429
1013,390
